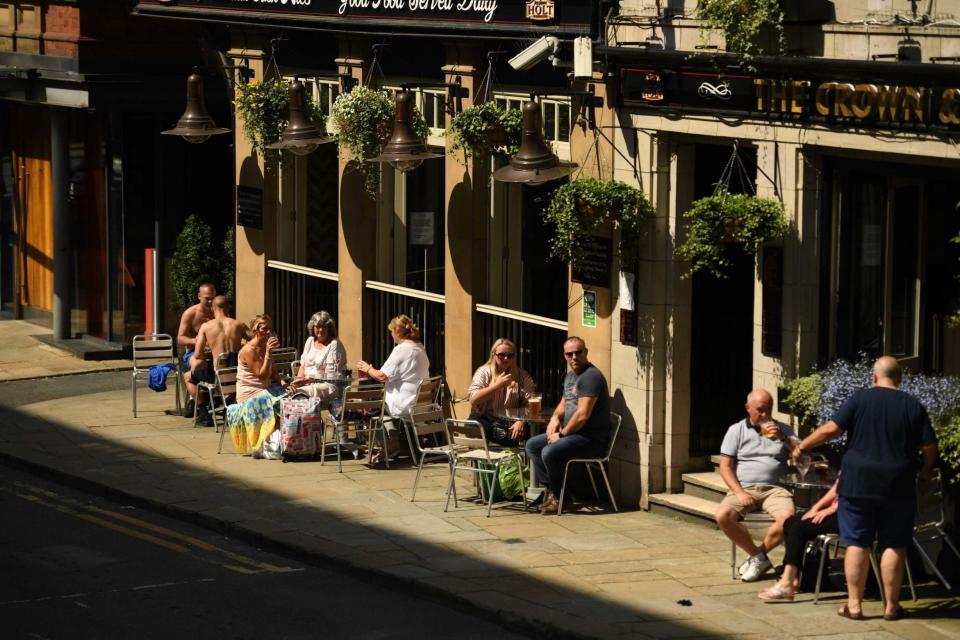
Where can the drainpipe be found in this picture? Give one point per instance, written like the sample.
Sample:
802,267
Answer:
60,179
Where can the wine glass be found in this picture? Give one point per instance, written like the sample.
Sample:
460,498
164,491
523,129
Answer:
803,465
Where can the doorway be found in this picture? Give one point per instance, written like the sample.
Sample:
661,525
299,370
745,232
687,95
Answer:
721,346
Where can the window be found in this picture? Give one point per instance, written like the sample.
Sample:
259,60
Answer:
327,92
431,106
556,119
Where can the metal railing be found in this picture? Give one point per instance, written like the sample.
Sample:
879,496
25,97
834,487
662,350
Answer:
298,293
539,345
424,308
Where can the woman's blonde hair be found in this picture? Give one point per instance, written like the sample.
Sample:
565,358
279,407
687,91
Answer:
259,321
492,360
405,328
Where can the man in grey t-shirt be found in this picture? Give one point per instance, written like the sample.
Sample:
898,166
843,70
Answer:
579,426
753,458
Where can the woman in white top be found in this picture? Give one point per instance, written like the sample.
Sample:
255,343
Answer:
323,358
401,374
498,385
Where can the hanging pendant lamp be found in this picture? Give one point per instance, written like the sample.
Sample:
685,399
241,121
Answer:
405,151
195,125
301,136
534,163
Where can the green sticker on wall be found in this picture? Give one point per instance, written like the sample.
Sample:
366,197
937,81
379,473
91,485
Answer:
589,318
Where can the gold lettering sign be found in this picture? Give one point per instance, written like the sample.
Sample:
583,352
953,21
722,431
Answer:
822,100
864,100
950,107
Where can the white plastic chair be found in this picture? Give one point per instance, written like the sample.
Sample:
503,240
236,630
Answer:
600,463
151,349
470,444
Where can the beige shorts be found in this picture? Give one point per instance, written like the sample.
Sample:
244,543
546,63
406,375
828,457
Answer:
771,499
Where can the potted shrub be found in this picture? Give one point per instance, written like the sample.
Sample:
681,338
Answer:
742,22
485,129
362,121
194,261
726,222
580,207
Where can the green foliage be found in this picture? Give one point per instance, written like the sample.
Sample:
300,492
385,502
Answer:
953,320
741,22
948,440
580,207
471,130
803,397
728,222
262,106
228,266
363,120
194,262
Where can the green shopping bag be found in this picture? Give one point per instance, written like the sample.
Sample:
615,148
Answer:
508,484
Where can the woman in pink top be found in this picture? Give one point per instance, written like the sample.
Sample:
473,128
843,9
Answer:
255,364
797,530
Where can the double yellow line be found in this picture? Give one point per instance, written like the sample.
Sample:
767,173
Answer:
142,530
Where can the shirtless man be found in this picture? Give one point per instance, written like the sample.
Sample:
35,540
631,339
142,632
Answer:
221,335
190,323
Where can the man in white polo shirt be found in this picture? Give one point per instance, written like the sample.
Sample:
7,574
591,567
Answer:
753,459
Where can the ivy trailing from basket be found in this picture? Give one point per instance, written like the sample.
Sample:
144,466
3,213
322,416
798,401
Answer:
362,121
485,129
726,222
580,207
262,106
741,22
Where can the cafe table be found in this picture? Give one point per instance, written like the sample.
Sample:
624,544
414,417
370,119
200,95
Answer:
537,423
805,494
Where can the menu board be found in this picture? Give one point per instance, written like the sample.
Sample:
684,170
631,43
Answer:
594,268
250,207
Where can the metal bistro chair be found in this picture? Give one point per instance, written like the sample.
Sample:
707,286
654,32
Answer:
468,437
149,350
930,522
754,520
427,421
361,411
428,392
210,388
282,359
615,420
823,543
226,387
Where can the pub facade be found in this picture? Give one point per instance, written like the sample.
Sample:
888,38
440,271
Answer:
861,152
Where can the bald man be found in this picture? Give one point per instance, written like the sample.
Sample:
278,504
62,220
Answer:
753,459
889,439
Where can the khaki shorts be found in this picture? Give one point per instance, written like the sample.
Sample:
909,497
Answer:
771,499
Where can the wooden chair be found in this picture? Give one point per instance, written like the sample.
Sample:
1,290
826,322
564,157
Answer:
149,350
472,455
595,462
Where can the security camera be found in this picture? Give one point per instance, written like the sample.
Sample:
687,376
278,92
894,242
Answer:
536,53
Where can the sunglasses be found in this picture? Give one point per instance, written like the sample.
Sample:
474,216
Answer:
504,355
571,354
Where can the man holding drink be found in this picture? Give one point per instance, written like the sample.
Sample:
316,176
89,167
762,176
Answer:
753,459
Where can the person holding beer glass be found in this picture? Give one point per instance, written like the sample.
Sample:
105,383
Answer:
497,385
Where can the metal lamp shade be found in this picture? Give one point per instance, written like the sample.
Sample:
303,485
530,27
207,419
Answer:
301,136
195,125
534,163
405,151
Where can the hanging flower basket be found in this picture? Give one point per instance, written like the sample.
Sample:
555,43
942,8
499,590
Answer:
485,129
580,207
363,121
726,222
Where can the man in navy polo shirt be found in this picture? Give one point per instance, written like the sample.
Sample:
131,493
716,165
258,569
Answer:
888,435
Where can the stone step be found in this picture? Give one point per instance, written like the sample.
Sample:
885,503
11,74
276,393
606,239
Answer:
685,507
707,485
715,461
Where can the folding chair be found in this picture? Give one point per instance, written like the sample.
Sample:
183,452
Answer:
226,387
615,420
210,387
467,437
361,411
149,350
930,523
426,420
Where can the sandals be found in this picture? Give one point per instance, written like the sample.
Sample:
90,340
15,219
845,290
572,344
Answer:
776,593
846,613
378,456
898,613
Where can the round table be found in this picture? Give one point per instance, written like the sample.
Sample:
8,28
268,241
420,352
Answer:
806,494
536,422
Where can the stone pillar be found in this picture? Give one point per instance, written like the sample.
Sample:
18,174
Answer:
467,198
357,249
596,160
253,246
60,181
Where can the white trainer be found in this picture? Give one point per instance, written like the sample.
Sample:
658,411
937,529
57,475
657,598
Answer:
756,566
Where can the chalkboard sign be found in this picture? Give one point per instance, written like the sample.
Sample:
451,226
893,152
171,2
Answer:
771,336
594,268
628,327
250,207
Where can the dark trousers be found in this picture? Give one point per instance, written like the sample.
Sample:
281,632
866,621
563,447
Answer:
550,460
797,532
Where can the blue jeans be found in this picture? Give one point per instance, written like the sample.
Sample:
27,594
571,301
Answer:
550,460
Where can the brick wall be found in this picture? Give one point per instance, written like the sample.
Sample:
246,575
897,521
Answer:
61,34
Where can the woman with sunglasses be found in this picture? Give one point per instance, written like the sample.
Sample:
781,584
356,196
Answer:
254,416
497,385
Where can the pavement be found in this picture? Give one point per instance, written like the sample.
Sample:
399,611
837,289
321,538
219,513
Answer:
23,356
590,573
